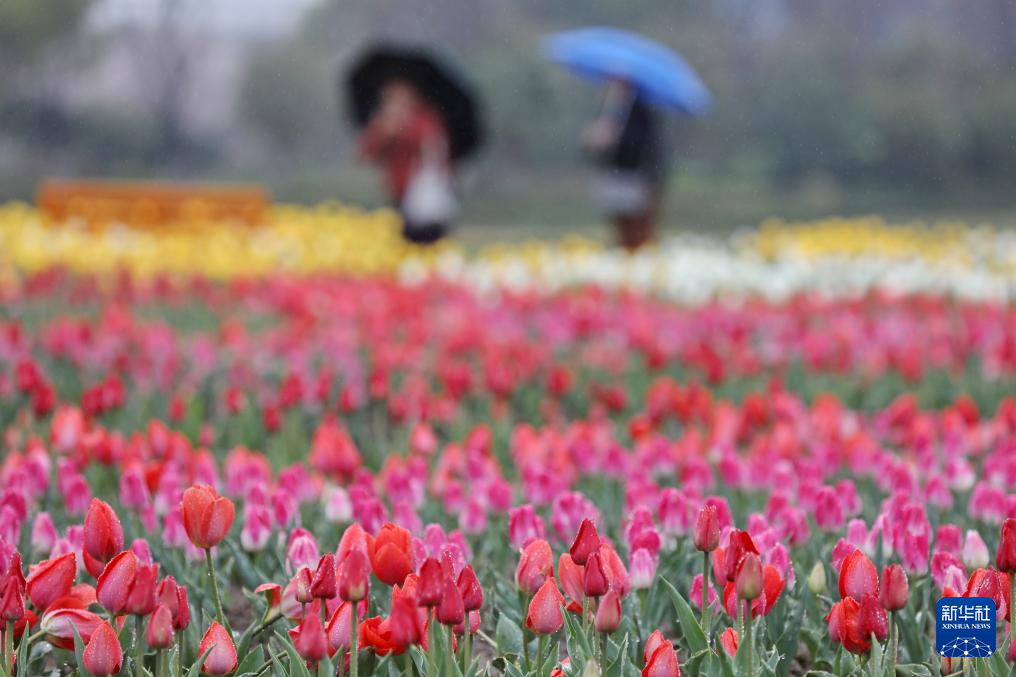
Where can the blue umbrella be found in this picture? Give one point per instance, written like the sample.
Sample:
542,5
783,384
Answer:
659,73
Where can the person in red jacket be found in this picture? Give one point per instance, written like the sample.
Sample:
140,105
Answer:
405,135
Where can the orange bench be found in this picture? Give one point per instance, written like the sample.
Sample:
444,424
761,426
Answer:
148,204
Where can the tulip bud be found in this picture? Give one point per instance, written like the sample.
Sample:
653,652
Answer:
469,587
586,542
729,641
544,616
594,580
873,618
817,579
323,584
12,601
536,563
159,634
608,614
309,639
642,570
1005,559
430,586
895,588
748,580
451,610
302,582
219,650
706,534
353,573
975,552
103,655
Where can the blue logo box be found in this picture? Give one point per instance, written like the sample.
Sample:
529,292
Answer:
965,627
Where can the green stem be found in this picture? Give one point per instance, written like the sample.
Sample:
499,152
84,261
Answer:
747,643
705,594
540,648
8,655
585,616
451,652
603,653
179,653
894,642
160,664
1012,608
215,588
354,656
466,648
139,647
431,646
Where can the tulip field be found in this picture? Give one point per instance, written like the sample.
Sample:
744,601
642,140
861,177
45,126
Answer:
304,449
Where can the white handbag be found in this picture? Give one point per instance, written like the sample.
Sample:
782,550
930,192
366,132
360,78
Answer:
430,198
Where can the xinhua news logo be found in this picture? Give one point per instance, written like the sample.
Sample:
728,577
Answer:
966,627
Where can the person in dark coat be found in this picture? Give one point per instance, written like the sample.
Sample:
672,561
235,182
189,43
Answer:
627,142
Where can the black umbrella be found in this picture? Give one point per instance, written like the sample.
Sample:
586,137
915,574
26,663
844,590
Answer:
441,86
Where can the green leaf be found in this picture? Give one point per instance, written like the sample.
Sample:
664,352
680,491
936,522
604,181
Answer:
79,651
195,670
508,636
691,631
251,663
297,666
913,670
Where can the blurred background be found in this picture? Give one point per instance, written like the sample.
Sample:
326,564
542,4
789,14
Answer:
904,108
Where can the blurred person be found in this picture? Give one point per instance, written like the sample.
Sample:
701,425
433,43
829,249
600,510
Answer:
627,142
407,137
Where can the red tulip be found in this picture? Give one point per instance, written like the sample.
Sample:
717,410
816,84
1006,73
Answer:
617,575
340,627
207,517
159,634
571,574
59,623
655,641
858,576
323,584
309,638
353,573
729,641
873,618
895,588
594,578
301,585
407,622
222,659
608,613
391,554
1005,559
846,626
375,633
469,587
103,533
748,580
586,542
740,545
12,601
174,598
706,534
662,662
430,586
50,580
544,616
103,655
451,611
114,585
536,563
142,600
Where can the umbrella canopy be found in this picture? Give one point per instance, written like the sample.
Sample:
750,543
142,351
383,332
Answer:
439,85
659,73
